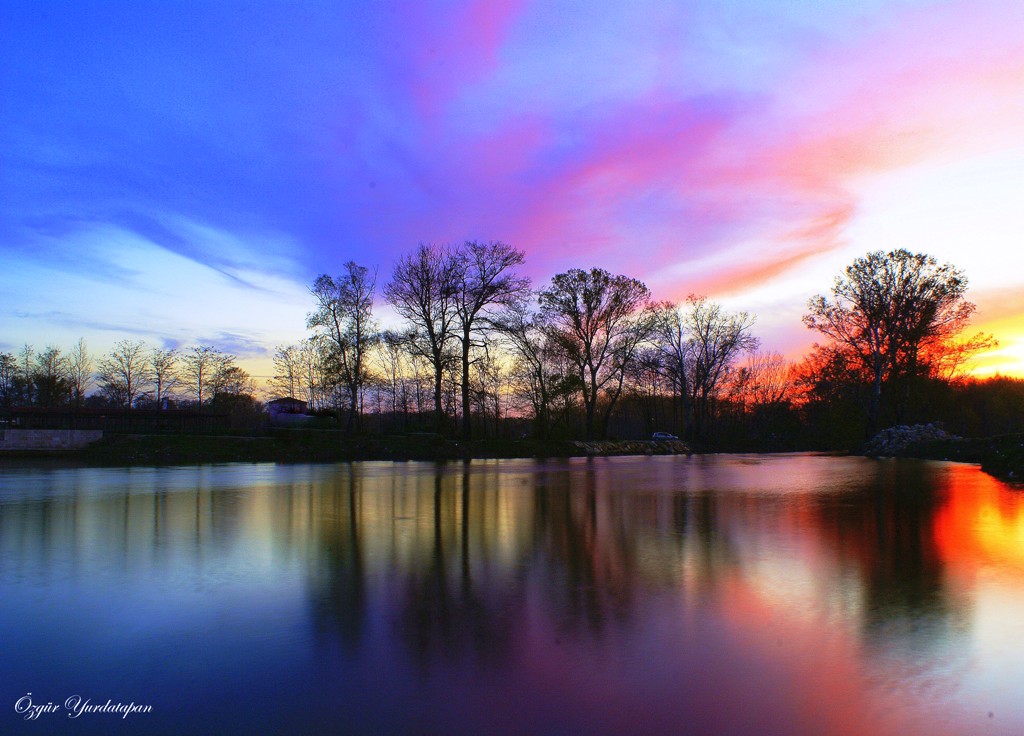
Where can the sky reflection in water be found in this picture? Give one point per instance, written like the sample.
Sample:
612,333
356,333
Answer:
732,594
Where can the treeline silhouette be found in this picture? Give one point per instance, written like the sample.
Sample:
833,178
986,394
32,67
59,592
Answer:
132,376
480,353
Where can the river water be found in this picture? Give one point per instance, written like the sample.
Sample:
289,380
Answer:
785,594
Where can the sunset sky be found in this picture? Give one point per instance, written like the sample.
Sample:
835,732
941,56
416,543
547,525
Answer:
180,172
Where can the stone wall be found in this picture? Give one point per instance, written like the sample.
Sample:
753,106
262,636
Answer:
47,439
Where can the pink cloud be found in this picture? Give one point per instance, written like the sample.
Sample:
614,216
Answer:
939,80
580,199
663,179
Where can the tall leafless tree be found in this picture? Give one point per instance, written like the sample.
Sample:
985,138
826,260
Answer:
599,321
391,351
200,366
287,371
50,378
26,363
163,363
124,372
422,289
672,342
531,345
717,338
343,319
485,280
80,375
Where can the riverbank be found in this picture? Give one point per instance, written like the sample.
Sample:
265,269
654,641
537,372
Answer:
303,446
1001,456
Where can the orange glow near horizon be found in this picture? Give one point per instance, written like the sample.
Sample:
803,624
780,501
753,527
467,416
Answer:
1007,358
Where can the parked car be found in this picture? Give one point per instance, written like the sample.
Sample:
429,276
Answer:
663,436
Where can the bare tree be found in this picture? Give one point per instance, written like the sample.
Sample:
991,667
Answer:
8,380
488,383
199,367
231,380
390,353
716,338
26,362
770,379
287,371
50,378
163,364
599,321
224,376
485,279
313,374
766,380
421,381
530,343
672,341
895,315
300,372
423,291
124,372
646,385
953,359
343,320
80,374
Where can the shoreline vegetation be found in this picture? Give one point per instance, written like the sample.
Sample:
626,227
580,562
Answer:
481,356
1001,456
311,446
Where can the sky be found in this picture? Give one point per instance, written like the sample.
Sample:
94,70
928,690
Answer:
180,172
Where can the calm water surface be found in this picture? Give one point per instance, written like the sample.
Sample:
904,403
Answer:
733,594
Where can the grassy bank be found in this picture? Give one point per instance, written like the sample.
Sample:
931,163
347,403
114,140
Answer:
305,445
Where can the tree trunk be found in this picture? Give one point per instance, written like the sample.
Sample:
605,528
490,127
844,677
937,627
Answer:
543,414
875,404
589,427
590,402
438,411
467,416
353,414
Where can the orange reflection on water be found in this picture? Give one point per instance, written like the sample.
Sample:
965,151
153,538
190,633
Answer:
981,524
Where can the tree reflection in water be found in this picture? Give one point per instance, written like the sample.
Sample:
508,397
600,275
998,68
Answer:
459,550
596,543
443,613
883,532
827,586
340,605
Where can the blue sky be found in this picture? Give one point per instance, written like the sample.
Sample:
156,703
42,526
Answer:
179,172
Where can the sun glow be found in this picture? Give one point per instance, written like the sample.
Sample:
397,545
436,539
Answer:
966,213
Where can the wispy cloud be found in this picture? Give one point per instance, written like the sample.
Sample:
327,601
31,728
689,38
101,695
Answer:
206,161
151,292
